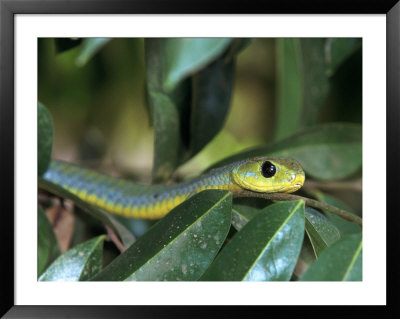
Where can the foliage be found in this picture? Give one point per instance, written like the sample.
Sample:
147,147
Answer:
45,138
340,262
265,249
181,245
190,86
81,262
47,242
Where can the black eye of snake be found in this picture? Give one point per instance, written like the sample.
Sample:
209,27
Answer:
268,169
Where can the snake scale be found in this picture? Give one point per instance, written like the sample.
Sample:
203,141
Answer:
123,197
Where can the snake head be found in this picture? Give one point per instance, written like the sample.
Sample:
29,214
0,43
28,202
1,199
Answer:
269,175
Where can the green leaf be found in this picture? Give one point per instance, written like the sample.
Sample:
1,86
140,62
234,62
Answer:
126,237
315,82
306,258
212,91
237,46
289,80
64,44
78,263
45,138
302,72
345,227
337,50
265,249
180,246
241,214
168,110
89,47
47,242
169,150
326,152
320,230
340,262
170,107
185,56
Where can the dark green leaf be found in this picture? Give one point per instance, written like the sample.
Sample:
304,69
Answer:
171,138
289,80
89,47
265,249
212,91
241,214
306,258
303,84
64,44
180,246
314,80
169,63
337,50
45,138
78,263
169,148
327,152
320,230
345,227
185,56
340,262
47,242
237,45
104,217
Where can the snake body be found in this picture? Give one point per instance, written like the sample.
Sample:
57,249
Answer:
129,199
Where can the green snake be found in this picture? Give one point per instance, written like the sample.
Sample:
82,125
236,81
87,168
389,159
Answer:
122,197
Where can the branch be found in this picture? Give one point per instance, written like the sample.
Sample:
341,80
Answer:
354,185
310,202
114,238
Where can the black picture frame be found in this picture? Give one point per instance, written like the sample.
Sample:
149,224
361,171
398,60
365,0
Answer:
8,10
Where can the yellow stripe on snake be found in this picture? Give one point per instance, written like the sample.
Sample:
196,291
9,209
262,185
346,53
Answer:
122,197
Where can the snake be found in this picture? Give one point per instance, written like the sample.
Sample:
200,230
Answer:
126,198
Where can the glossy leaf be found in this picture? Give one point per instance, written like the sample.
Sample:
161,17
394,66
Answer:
212,91
265,249
185,56
302,82
173,61
337,50
88,48
180,246
340,262
321,232
211,96
126,237
289,80
326,152
241,214
47,242
78,263
171,139
345,227
45,138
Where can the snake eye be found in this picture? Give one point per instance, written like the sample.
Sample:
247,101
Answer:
268,169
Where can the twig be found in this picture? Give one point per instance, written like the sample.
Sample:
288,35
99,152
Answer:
310,202
59,211
355,185
114,238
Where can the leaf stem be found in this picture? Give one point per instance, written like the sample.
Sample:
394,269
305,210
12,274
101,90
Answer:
310,202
